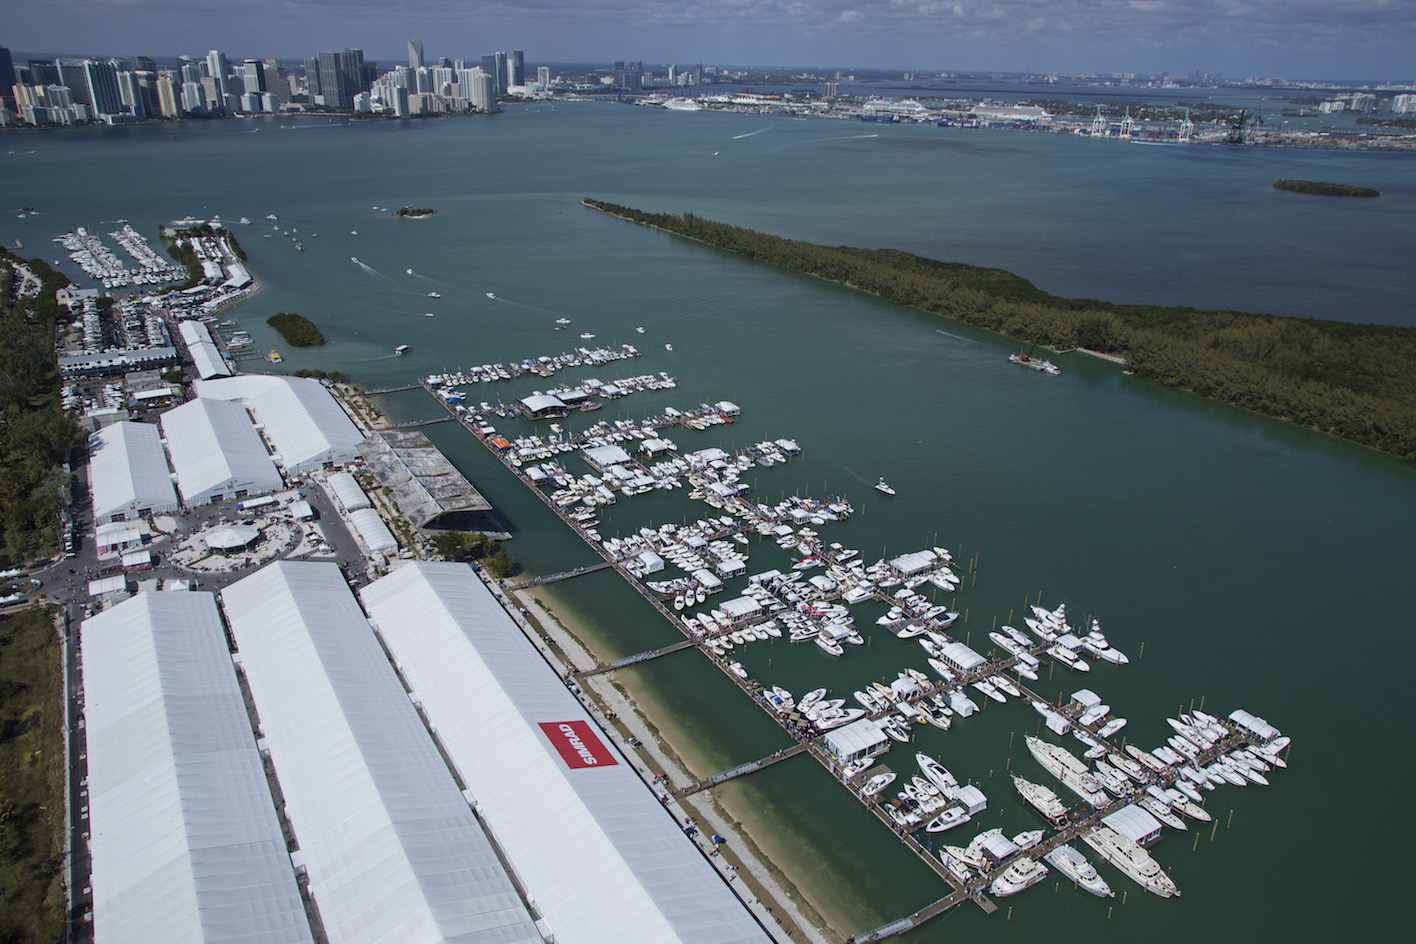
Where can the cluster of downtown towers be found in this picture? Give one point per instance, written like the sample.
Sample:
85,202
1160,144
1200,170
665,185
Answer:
118,90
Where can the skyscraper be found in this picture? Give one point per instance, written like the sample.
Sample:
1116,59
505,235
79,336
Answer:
253,77
415,54
516,68
342,76
491,65
7,79
102,81
543,77
218,68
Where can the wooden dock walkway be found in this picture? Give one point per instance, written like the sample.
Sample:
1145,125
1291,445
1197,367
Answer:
637,658
375,393
740,770
562,575
414,424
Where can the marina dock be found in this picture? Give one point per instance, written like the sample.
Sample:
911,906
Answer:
917,616
556,577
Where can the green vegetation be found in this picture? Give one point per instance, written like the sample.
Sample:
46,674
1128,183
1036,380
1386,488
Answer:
460,545
31,780
333,376
35,433
1324,189
297,330
182,251
414,213
1353,381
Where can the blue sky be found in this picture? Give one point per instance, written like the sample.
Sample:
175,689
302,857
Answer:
1312,39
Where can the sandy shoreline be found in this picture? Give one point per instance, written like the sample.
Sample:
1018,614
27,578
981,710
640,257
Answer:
778,903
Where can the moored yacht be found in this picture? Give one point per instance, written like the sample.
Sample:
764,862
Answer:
1022,873
1041,799
1133,861
1075,866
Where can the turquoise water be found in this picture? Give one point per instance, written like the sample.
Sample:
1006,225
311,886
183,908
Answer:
1260,565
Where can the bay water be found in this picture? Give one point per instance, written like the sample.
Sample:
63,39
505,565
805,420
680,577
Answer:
1261,566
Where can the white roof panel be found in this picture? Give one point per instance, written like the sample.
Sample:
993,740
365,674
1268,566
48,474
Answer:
1135,823
375,534
128,471
185,841
205,356
597,852
390,844
216,450
306,425
347,490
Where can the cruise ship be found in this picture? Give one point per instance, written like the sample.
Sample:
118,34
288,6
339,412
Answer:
1133,861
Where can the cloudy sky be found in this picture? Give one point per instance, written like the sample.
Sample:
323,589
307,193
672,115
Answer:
1351,39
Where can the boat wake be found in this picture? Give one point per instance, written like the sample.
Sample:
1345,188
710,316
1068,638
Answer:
958,337
739,137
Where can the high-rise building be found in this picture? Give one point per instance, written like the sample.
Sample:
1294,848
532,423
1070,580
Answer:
193,97
491,65
312,77
253,77
102,80
167,96
543,77
516,67
415,54
7,78
218,68
131,95
273,83
342,76
72,77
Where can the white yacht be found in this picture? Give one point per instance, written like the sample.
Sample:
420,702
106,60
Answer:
1075,866
880,486
1041,799
877,783
401,349
435,295
937,774
1064,765
953,816
1022,873
1133,861
1027,839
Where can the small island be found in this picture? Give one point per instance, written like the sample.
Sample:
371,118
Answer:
1324,189
297,330
415,213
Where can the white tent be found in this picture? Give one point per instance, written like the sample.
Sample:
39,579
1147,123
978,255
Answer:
600,856
855,740
1135,823
128,473
306,425
183,833
372,531
231,537
390,844
205,356
347,491
217,452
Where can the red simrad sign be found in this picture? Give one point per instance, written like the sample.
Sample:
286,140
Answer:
578,745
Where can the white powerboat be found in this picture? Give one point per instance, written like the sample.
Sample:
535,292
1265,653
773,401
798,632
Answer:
1133,861
953,816
1022,873
880,486
937,774
1027,839
879,782
1041,799
1075,866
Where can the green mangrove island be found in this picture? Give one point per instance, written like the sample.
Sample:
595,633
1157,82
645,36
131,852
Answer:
415,213
1356,381
1324,189
297,330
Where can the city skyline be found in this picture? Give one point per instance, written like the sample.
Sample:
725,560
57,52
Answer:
1304,39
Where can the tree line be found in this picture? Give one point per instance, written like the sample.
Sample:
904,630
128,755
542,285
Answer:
1355,381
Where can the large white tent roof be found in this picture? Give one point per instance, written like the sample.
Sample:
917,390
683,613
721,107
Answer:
301,418
372,530
184,837
216,450
205,356
391,847
597,852
347,490
128,471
